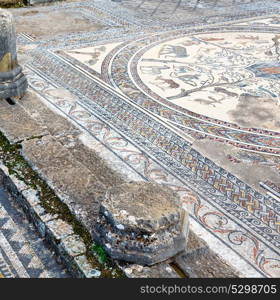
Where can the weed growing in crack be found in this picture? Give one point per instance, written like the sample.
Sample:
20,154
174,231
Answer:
100,252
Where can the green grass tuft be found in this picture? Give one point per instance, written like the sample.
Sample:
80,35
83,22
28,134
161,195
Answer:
101,253
12,3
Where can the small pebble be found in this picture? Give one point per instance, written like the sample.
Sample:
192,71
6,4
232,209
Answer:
128,270
95,273
120,227
168,269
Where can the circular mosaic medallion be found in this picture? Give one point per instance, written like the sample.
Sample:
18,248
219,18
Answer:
231,76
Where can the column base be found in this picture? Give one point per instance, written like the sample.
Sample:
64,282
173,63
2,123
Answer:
13,84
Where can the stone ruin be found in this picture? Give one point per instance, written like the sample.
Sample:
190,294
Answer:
142,223
13,83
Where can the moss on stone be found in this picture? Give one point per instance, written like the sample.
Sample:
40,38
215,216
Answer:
10,155
100,252
12,3
6,63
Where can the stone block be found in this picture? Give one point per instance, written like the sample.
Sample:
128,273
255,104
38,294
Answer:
59,229
73,245
143,223
85,268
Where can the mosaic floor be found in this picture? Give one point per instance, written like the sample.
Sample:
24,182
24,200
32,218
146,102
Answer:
148,95
167,12
23,254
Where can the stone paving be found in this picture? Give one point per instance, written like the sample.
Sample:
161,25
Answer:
186,95
23,254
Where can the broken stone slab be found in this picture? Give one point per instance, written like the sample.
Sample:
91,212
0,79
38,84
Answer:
13,83
141,222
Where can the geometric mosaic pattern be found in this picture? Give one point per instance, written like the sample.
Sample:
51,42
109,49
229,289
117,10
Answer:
23,254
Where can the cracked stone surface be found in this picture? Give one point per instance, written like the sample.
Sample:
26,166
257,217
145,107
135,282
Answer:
142,223
141,207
